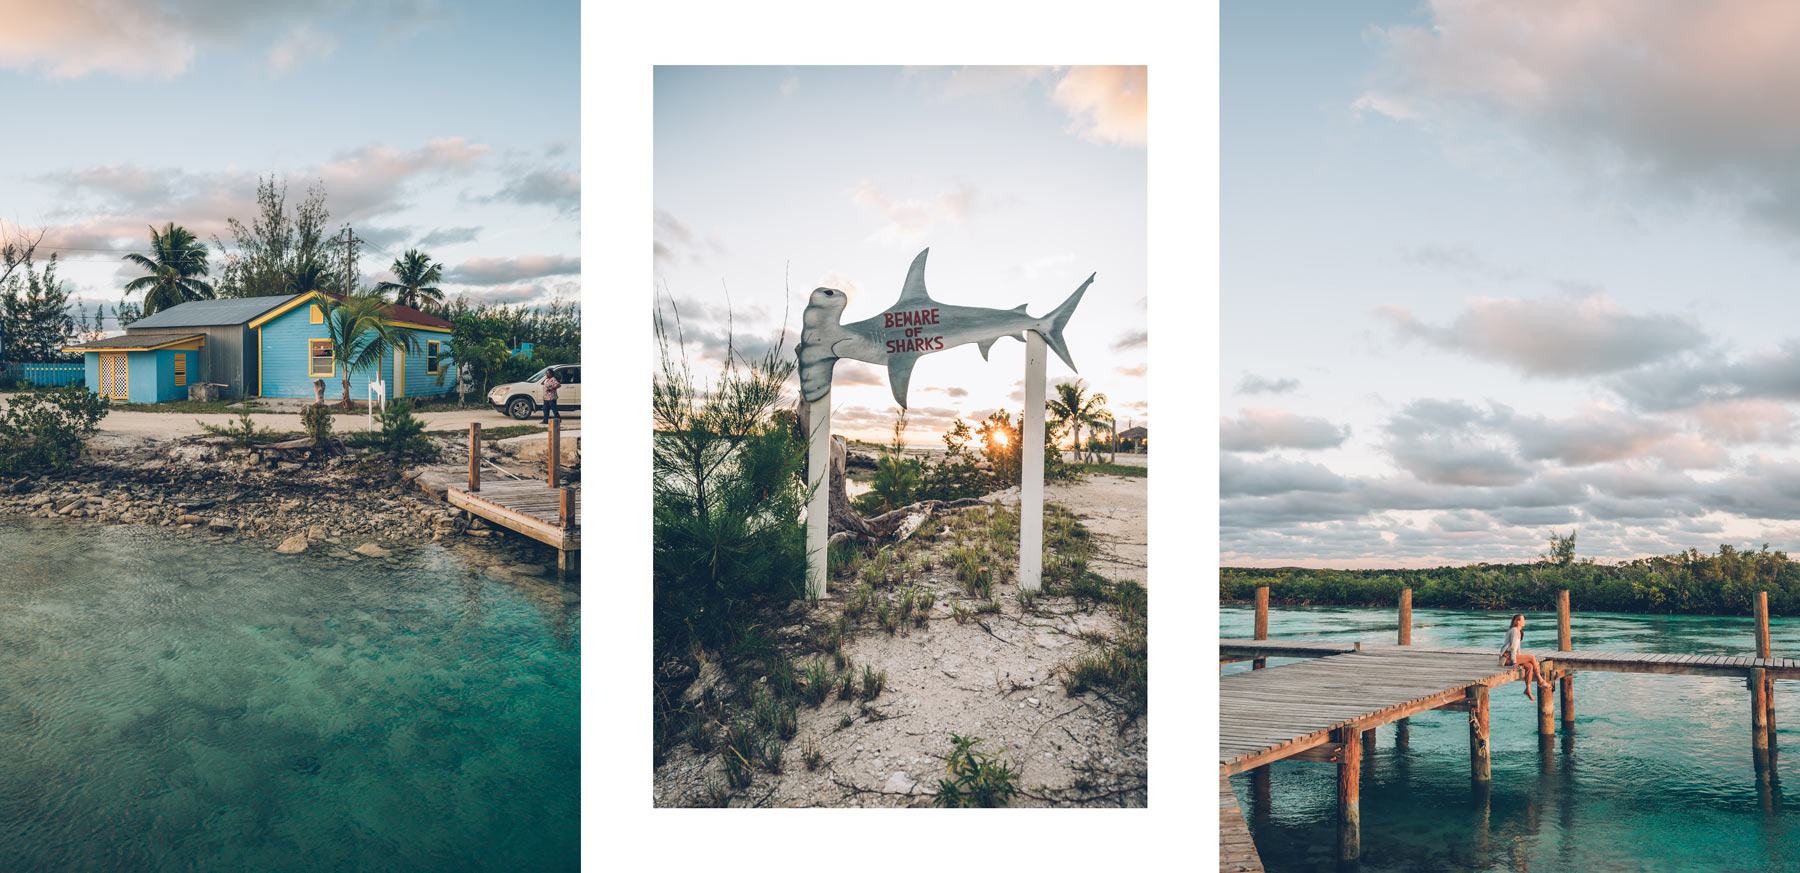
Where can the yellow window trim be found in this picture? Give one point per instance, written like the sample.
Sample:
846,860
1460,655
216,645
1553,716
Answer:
431,353
317,315
310,372
260,363
399,372
180,369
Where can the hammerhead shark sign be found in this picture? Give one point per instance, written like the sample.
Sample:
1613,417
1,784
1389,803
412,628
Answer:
914,326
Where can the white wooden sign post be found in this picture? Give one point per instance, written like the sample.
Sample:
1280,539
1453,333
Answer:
917,325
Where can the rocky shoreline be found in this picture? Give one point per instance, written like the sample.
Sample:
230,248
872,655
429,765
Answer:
293,501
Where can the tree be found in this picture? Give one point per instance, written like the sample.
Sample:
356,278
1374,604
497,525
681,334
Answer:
1073,407
361,336
175,262
1562,549
35,324
418,278
269,254
310,276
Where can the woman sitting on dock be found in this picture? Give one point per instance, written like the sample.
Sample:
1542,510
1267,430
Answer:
1511,656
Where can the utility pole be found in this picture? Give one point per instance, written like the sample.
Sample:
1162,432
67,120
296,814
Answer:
350,242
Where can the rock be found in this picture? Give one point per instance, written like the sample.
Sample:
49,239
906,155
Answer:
710,678
528,569
39,499
371,550
221,525
196,505
534,447
293,545
900,783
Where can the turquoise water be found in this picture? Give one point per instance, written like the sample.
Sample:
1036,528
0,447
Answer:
176,704
1657,777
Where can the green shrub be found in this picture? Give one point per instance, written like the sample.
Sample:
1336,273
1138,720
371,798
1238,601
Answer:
975,779
245,433
401,437
316,419
44,430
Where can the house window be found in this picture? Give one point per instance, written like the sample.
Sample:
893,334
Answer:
180,369
431,357
317,316
319,361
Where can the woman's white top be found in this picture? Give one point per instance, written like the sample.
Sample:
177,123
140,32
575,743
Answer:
1514,638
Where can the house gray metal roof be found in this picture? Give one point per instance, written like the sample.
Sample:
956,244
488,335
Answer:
208,313
136,341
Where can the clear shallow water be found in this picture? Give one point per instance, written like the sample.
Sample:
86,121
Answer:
1658,776
179,704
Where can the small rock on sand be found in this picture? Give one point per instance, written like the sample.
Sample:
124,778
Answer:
372,550
293,545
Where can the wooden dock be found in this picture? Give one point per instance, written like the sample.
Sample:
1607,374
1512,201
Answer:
1237,852
1324,708
544,509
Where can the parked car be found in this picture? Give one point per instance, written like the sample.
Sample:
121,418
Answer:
520,399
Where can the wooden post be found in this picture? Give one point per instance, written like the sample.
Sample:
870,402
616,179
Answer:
818,510
1546,707
1031,457
1406,616
1349,796
566,508
1763,650
553,462
1759,725
1565,642
1480,763
474,456
1402,734
1259,793
1262,622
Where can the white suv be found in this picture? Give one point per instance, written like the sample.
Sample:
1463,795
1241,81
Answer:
520,399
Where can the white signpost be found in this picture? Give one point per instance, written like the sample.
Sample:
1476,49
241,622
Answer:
377,394
917,325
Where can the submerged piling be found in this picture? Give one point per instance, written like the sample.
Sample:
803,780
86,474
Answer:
1565,643
1481,770
1349,795
1262,622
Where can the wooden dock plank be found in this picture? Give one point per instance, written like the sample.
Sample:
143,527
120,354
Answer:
1237,851
526,506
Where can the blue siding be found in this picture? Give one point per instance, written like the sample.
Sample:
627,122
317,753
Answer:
419,382
145,368
285,340
91,361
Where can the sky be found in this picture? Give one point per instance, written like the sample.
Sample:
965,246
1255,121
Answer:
1022,181
453,127
1493,270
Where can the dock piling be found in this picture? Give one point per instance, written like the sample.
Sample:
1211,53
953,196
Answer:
474,456
1546,711
1262,622
1480,759
1406,616
1565,643
1763,650
1759,724
553,461
1349,796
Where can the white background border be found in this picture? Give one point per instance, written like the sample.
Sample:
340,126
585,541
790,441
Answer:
620,44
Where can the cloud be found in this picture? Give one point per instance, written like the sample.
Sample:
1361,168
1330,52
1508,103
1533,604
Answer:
445,236
497,271
1743,421
300,45
1260,430
557,189
1136,339
1137,371
789,85
1460,260
524,294
957,393
910,219
1238,477
1449,442
1107,104
1254,384
1683,100
162,38
1698,379
1596,435
1554,336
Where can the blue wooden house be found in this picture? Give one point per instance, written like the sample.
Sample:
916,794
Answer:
259,346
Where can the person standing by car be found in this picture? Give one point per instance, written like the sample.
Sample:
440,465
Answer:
465,382
550,386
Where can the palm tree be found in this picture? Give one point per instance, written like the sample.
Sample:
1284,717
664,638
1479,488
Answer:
312,275
176,258
361,337
418,277
1073,407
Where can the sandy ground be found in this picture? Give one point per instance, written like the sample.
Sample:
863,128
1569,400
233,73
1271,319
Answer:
993,677
1117,510
165,425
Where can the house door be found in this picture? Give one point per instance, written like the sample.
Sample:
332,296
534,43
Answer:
115,376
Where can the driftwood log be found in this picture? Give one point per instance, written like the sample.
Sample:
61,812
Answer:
889,527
